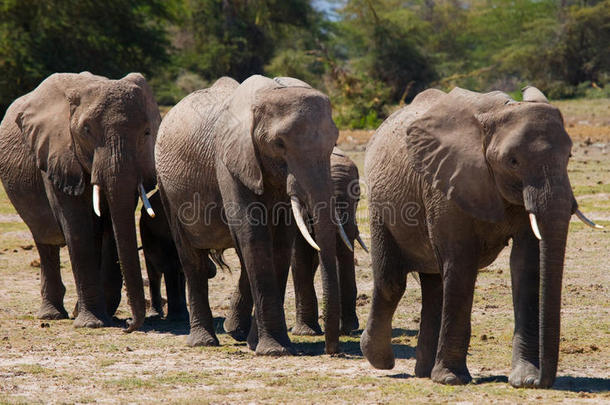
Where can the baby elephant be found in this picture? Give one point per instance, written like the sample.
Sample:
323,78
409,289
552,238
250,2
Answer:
162,260
304,264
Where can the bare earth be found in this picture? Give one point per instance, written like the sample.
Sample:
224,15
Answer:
56,363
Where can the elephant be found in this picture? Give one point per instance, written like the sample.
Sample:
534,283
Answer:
74,154
452,178
304,263
236,164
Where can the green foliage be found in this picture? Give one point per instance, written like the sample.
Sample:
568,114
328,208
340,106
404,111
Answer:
368,56
111,38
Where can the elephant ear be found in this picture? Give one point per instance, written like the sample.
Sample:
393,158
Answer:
446,146
235,132
44,121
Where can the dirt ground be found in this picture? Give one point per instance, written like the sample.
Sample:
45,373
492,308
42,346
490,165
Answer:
52,362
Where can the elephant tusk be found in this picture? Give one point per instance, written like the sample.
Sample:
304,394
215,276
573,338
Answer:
96,200
587,221
298,216
361,242
534,225
344,237
145,201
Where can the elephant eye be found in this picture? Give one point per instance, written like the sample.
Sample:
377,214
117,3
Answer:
280,144
87,130
147,133
513,162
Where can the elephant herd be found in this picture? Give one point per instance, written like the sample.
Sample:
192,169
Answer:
452,177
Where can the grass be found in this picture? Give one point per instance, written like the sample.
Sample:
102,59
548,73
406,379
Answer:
62,364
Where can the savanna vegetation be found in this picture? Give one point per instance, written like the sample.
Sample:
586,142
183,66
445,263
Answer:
368,55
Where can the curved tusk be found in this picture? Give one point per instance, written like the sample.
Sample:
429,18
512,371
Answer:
534,226
587,221
298,217
96,200
145,201
361,242
344,237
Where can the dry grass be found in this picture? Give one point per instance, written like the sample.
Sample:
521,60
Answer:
61,364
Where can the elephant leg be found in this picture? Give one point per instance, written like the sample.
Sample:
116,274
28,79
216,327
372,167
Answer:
347,287
194,265
283,237
525,277
304,264
459,275
390,281
239,318
175,284
75,217
154,286
52,289
430,323
111,271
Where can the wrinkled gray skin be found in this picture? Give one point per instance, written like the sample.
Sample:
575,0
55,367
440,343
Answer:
244,149
73,131
467,168
305,261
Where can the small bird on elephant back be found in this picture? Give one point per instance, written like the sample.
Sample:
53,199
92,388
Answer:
476,170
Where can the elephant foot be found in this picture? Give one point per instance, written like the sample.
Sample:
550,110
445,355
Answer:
349,326
237,328
201,337
378,353
423,368
524,375
307,329
271,347
87,319
178,316
447,376
52,312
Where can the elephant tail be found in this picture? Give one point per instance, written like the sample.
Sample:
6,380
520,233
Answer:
217,255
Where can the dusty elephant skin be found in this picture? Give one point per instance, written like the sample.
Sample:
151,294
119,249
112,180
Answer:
230,161
75,144
471,168
305,261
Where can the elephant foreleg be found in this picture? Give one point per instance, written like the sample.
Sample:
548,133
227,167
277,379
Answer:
430,323
304,264
525,277
347,287
75,217
154,287
459,273
52,289
111,270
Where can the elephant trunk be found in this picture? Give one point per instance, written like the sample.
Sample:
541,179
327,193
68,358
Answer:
552,207
317,190
120,182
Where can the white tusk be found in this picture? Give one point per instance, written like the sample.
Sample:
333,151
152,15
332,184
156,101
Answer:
296,211
359,239
534,225
96,200
587,221
145,201
344,237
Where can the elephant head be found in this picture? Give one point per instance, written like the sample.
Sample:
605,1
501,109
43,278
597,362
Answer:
284,129
486,152
84,128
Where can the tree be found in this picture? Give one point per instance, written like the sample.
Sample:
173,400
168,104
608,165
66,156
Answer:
110,38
